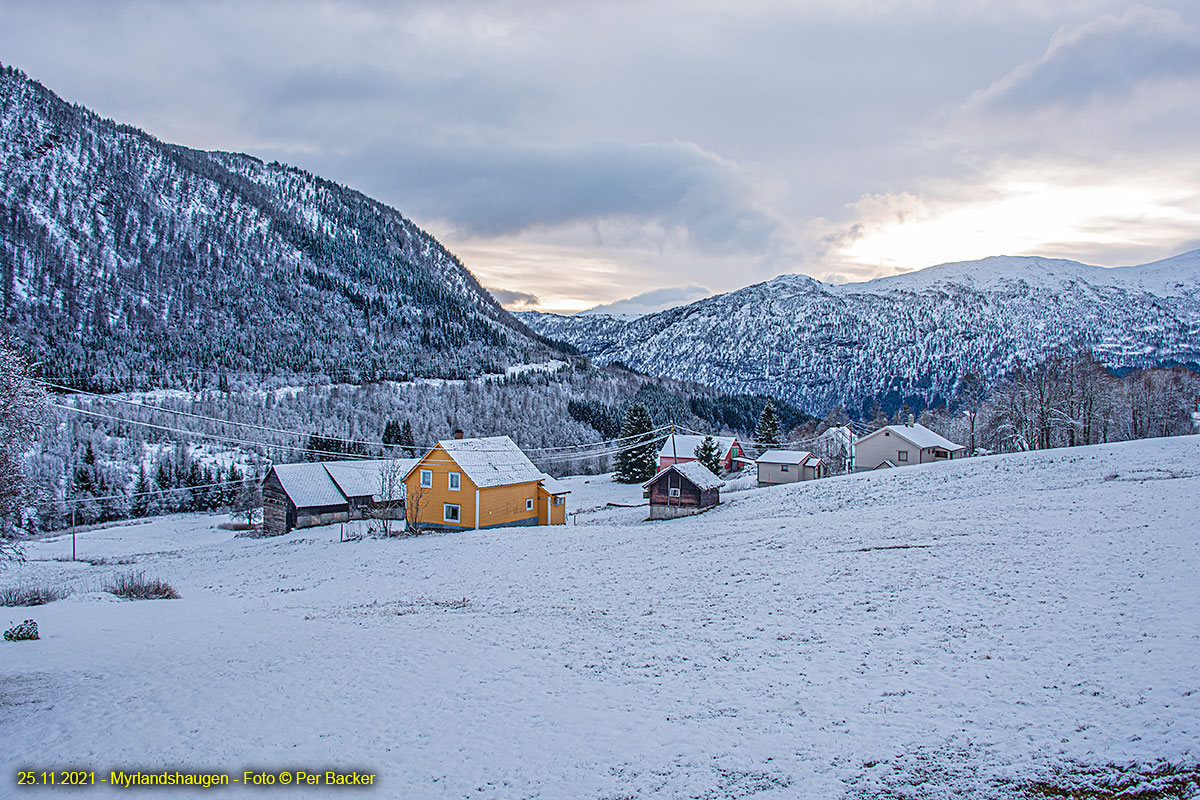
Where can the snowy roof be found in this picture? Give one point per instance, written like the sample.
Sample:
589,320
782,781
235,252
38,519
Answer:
784,456
695,472
363,478
918,435
308,484
685,445
813,462
554,485
492,461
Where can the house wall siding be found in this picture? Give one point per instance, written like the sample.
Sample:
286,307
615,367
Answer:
499,506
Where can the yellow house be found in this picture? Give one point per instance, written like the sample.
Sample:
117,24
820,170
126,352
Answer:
481,483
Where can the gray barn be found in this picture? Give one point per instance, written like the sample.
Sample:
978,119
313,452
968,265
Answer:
326,492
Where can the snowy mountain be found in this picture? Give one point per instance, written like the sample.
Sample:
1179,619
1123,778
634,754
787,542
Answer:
121,255
909,337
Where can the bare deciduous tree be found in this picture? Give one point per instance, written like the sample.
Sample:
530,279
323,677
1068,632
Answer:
414,504
391,488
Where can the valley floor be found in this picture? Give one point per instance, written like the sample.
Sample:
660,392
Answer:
959,629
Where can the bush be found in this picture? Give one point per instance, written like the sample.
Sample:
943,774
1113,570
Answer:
26,631
32,595
136,586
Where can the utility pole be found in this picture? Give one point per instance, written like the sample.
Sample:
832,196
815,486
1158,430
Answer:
674,460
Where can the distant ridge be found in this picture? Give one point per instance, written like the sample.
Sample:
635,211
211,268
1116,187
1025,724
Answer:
906,338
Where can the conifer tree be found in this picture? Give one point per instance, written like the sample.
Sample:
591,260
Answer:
140,505
637,463
767,432
407,441
708,454
391,432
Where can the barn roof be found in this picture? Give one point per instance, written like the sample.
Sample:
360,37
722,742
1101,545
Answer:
685,445
308,484
492,461
695,472
785,456
918,435
363,478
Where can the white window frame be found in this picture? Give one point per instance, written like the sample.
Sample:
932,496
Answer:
446,512
426,479
672,491
454,481
529,504
558,501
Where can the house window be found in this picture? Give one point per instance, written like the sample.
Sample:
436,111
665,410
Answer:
672,491
783,467
451,512
940,454
529,504
426,479
455,481
902,455
558,501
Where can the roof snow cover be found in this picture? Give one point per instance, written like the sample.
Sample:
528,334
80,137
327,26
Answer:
784,456
362,478
685,445
554,485
308,485
492,461
695,472
330,483
918,435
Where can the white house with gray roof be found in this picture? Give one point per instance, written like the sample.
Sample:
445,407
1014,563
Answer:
902,446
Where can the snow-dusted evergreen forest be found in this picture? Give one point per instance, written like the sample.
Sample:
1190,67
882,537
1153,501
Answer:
128,263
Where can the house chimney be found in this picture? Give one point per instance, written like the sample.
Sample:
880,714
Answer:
911,420
458,434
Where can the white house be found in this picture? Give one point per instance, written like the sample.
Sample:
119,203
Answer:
901,446
789,466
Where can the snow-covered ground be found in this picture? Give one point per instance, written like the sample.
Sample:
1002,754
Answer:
932,631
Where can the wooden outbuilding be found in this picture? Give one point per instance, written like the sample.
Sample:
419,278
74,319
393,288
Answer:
326,492
683,489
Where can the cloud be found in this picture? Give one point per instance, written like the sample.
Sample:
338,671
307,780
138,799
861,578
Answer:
514,301
650,302
500,190
1106,59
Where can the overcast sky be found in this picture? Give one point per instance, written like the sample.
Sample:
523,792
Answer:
574,154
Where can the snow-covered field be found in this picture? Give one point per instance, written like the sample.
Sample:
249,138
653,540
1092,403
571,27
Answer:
955,629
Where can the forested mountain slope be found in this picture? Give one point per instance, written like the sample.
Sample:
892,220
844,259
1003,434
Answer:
121,256
908,338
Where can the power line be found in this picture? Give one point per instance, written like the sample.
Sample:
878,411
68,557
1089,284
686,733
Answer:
552,458
268,429
86,498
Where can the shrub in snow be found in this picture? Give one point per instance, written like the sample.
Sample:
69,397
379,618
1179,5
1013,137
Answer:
31,595
26,631
136,586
